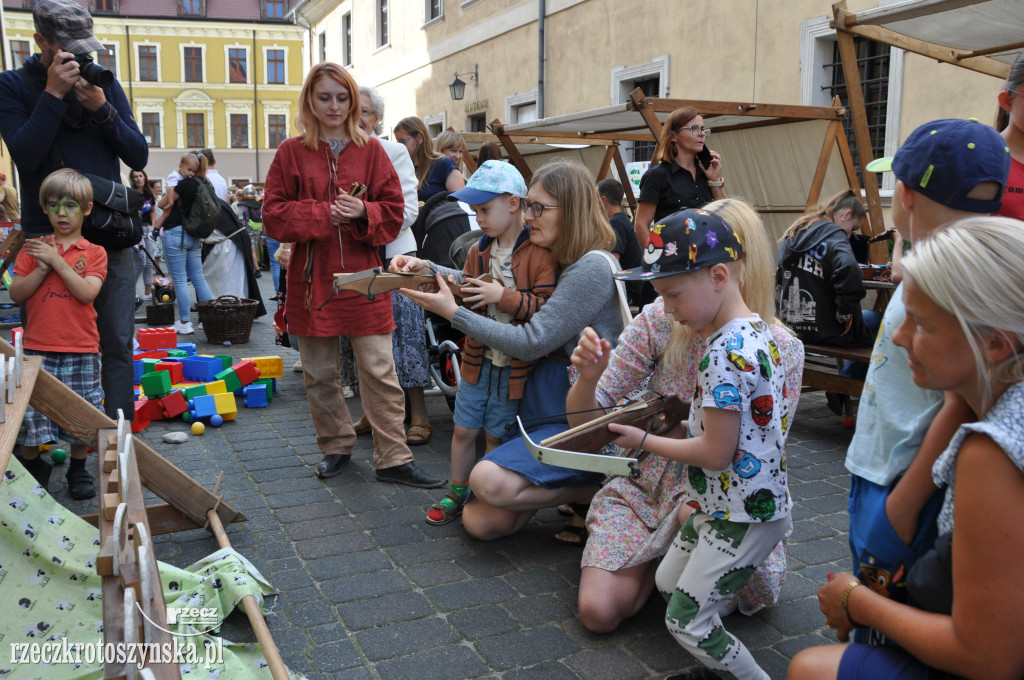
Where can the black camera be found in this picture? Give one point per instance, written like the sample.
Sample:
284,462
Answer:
91,71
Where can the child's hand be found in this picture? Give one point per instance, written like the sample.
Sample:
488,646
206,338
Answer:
44,251
591,355
479,294
406,263
629,437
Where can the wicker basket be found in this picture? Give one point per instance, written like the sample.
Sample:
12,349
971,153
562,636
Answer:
227,319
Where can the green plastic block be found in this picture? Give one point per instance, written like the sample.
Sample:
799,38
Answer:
230,379
194,391
156,384
150,365
269,382
179,353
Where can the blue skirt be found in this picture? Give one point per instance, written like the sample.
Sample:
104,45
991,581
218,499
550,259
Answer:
542,410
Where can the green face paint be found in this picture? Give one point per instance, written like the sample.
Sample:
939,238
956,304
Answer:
68,207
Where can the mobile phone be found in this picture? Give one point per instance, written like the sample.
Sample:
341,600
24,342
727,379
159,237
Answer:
704,156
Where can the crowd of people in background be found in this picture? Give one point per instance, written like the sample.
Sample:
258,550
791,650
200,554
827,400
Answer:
570,308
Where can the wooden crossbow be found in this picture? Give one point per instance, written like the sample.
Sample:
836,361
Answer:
578,447
372,282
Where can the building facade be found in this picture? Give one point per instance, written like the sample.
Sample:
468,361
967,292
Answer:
223,74
595,52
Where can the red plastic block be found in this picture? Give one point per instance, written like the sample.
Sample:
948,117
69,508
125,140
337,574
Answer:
174,368
173,404
157,338
246,371
142,417
151,354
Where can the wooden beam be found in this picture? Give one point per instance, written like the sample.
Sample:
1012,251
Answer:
858,111
513,152
467,157
753,109
61,404
163,519
620,168
606,162
643,106
814,193
15,413
846,23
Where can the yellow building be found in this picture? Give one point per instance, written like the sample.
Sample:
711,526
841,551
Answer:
216,78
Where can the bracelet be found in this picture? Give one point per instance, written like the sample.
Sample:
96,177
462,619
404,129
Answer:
846,600
719,183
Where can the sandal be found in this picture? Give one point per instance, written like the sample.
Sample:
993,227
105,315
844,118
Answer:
565,509
419,432
574,534
443,512
362,426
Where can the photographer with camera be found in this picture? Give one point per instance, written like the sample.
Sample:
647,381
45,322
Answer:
56,111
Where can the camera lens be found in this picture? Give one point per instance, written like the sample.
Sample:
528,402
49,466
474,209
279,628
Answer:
97,75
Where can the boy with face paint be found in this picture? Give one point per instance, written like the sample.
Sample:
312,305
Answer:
58,276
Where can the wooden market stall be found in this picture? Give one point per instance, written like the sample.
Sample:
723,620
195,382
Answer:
981,35
780,158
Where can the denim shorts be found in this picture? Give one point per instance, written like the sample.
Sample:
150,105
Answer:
867,662
486,404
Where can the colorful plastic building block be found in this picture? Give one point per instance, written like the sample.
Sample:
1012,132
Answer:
143,415
189,348
193,391
149,365
231,379
173,404
174,368
202,407
225,360
201,368
151,354
156,338
177,353
271,384
216,387
255,396
226,406
156,384
140,370
270,367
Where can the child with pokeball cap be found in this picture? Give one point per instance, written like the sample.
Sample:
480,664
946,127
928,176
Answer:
740,495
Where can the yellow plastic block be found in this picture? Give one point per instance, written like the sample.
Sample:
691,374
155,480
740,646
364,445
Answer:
216,387
226,405
270,367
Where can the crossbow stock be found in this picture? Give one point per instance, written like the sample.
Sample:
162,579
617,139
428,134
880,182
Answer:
578,447
372,282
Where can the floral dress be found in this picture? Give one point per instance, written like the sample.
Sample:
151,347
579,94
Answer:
633,521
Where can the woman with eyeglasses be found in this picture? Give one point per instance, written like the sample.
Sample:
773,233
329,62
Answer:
435,172
564,216
1010,124
684,173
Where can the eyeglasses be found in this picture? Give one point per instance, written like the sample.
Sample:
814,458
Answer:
537,209
695,130
65,206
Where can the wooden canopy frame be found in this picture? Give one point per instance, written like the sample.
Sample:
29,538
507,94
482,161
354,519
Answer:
991,52
641,119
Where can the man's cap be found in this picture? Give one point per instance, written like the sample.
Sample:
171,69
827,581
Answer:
683,242
492,179
68,23
248,190
945,159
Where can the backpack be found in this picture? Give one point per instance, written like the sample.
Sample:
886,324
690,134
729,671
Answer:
204,216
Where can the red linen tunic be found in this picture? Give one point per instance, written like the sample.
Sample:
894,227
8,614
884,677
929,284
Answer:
296,208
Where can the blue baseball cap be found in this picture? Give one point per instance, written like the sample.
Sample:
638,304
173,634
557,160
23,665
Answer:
945,160
684,242
492,179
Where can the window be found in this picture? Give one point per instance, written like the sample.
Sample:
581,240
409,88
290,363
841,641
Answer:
382,23
346,39
147,62
151,129
521,108
873,64
277,130
191,8
275,67
323,47
477,122
20,51
107,58
193,64
273,9
644,151
104,6
237,67
434,10
652,78
195,134
239,131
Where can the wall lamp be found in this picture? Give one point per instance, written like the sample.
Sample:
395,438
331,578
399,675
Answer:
458,86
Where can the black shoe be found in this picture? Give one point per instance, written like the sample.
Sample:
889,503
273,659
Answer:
40,469
331,465
81,483
411,475
836,402
259,274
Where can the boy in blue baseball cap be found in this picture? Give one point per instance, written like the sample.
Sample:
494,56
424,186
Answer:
735,440
522,277
946,170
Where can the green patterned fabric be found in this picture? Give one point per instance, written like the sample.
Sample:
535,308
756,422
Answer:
51,591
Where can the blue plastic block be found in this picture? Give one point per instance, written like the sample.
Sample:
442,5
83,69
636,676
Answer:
255,396
201,369
188,347
202,407
139,370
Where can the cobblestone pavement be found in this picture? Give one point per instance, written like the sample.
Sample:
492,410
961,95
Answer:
369,590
